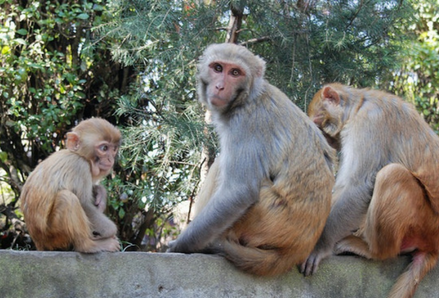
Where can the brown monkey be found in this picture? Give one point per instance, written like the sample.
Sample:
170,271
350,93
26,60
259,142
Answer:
62,201
387,184
268,193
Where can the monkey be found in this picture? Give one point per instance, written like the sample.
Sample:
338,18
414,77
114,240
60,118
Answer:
62,200
100,196
207,189
386,193
268,194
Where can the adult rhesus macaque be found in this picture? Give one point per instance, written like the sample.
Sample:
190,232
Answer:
387,185
269,191
62,201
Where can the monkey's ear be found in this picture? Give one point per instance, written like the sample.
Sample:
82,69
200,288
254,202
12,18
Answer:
331,95
260,67
72,141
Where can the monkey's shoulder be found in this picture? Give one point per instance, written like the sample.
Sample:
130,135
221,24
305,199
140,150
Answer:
63,170
281,100
282,107
65,156
63,163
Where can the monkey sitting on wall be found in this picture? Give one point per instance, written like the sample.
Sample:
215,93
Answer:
387,184
268,194
63,203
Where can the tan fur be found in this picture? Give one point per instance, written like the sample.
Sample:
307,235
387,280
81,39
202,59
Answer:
279,231
267,195
57,198
388,149
207,189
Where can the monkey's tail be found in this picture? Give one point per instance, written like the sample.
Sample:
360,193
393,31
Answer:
407,283
259,261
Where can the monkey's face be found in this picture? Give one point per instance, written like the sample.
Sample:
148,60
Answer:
225,82
326,113
105,153
315,109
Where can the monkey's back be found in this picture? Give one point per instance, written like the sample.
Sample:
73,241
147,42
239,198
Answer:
63,170
283,226
400,134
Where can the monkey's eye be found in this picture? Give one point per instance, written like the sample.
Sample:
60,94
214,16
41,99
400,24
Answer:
235,72
104,148
217,67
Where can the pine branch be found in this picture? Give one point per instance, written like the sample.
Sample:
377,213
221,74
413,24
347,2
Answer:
255,40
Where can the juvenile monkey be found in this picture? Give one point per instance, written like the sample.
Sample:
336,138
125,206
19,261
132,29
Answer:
268,193
387,184
62,201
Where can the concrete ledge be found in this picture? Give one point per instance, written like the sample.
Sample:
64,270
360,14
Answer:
136,274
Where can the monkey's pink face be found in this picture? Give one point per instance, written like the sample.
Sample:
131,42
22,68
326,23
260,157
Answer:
316,111
226,80
105,152
318,118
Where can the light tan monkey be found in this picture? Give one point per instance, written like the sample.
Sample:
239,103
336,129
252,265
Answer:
387,184
268,193
62,201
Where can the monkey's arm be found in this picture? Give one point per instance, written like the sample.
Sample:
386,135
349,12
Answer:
100,197
236,193
207,190
225,207
92,198
345,217
351,198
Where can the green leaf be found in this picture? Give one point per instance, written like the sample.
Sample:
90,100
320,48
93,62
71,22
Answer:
6,50
121,213
3,156
20,41
83,16
98,7
22,31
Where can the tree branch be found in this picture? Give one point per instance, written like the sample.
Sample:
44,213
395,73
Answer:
256,40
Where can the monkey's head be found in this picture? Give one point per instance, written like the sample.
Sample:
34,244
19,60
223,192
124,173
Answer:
228,74
97,141
326,110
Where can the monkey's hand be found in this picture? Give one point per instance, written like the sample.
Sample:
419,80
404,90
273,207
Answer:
176,246
100,196
311,264
171,246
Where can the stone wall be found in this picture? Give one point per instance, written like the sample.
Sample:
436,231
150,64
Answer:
136,274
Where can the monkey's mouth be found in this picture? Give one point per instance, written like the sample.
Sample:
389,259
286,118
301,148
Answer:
105,167
318,119
218,101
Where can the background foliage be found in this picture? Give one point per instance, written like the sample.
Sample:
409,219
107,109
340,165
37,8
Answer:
134,63
418,77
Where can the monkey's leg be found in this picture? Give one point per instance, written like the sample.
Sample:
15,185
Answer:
208,189
69,225
397,196
102,227
394,210
401,219
353,244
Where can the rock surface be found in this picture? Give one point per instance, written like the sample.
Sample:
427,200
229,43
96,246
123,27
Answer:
136,274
